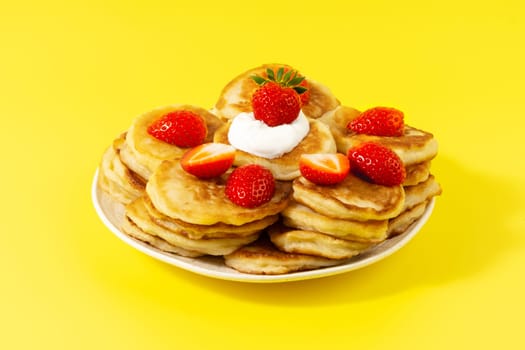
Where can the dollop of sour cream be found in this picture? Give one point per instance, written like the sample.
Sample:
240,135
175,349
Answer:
256,137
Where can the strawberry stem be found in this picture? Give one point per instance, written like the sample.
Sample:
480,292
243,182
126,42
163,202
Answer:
289,79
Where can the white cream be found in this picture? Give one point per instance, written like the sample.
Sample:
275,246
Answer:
256,137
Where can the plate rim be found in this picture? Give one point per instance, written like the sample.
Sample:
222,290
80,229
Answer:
185,262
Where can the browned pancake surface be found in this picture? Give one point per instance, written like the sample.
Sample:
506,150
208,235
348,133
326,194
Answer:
263,258
354,198
179,195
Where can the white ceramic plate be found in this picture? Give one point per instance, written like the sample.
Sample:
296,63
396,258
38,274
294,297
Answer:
215,267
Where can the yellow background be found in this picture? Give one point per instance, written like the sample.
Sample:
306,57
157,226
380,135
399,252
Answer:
74,74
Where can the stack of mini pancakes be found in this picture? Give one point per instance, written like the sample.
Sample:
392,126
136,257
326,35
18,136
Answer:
305,226
129,162
116,178
326,225
415,147
191,217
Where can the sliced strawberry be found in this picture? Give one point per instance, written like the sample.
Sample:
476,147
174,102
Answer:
208,160
377,163
379,121
324,169
250,186
180,128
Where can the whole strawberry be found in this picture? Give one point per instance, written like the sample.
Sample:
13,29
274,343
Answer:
277,101
305,95
377,163
250,186
379,121
180,128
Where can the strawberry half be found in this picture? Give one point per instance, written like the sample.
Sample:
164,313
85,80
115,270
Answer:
250,186
277,101
208,160
180,128
324,169
379,121
377,163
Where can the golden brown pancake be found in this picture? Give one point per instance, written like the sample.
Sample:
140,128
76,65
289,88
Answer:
353,199
218,230
115,178
417,198
143,153
236,96
417,173
286,167
179,195
132,179
402,222
134,231
137,213
301,217
131,159
114,190
421,192
415,146
314,243
262,258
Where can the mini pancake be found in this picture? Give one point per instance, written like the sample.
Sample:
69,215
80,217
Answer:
218,230
179,195
131,159
132,179
353,199
421,192
114,190
301,217
236,96
318,140
416,173
416,201
403,221
263,258
137,213
116,178
143,152
414,146
129,228
314,243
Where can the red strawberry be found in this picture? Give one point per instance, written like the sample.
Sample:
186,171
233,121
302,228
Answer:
305,96
180,128
324,169
208,160
275,105
277,101
250,186
379,121
377,163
